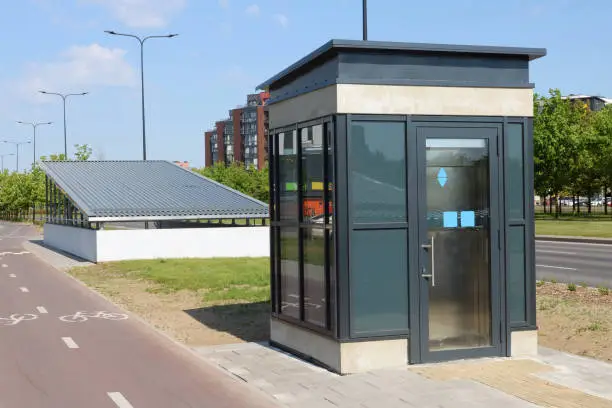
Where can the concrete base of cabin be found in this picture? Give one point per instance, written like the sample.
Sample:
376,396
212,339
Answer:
524,343
343,358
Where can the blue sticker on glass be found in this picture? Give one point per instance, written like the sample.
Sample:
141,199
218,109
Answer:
442,177
450,219
468,219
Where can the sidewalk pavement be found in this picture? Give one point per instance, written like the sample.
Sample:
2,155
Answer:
553,379
57,259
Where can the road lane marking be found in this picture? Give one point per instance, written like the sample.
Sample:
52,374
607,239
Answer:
70,343
16,319
24,289
4,265
556,267
119,399
41,310
555,252
12,275
13,253
80,317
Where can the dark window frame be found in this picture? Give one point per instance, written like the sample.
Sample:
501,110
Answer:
276,224
352,225
526,223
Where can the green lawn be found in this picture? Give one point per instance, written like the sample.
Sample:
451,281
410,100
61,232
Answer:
575,226
219,280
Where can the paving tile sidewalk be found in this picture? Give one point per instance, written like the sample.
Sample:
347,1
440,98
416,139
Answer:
553,379
55,258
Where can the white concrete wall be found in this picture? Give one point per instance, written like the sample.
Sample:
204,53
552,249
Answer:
76,241
120,245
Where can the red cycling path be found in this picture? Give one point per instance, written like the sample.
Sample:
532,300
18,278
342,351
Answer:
46,362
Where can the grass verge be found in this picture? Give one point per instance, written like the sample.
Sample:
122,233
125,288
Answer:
574,226
218,301
198,301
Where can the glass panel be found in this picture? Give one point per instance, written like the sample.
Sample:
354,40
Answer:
378,172
312,174
379,281
516,274
515,189
331,271
288,176
457,172
315,310
330,172
290,272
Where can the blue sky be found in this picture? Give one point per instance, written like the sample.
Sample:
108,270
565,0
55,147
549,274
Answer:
227,47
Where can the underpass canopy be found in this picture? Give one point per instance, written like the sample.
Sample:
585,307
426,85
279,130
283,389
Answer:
152,190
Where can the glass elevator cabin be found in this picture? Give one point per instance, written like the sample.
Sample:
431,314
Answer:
401,179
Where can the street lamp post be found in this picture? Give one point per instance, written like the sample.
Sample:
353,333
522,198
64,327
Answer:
365,20
34,126
64,97
17,144
2,159
142,41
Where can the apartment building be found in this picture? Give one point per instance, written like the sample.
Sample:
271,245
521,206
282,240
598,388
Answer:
183,164
242,137
594,103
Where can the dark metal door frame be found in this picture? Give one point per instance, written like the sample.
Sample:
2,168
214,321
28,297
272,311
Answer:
419,339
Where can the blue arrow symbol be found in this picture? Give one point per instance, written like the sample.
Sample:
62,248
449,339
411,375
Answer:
442,177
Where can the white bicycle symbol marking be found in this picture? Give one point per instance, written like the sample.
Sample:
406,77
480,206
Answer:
16,318
80,317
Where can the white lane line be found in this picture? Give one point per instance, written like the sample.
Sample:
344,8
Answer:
4,265
119,399
41,310
70,343
24,289
12,275
555,252
13,253
556,267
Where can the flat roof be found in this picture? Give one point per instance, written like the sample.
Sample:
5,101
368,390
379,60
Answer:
333,46
107,191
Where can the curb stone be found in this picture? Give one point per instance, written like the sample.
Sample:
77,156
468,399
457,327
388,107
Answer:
584,240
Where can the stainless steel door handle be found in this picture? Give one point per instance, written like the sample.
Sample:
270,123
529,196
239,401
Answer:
430,247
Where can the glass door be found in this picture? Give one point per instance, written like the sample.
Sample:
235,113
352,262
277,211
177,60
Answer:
458,231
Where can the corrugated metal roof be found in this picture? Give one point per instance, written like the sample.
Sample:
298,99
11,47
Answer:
148,190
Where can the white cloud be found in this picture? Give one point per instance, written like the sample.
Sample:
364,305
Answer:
142,13
224,3
253,10
282,19
79,68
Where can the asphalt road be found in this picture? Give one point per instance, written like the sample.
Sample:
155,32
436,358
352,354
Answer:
574,262
52,356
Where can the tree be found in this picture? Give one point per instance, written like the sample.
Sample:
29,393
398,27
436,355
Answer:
558,126
251,181
83,152
602,123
